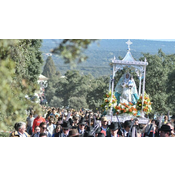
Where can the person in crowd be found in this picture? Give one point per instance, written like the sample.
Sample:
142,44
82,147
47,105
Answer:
134,128
75,121
104,126
65,130
113,130
98,131
30,120
81,126
42,135
43,129
54,113
37,121
59,122
51,126
126,128
57,130
165,120
172,129
88,132
56,119
173,120
165,131
150,129
49,111
36,132
73,133
20,130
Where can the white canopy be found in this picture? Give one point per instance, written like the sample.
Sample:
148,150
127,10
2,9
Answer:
129,62
42,77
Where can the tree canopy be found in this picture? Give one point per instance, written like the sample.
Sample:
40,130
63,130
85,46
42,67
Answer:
20,66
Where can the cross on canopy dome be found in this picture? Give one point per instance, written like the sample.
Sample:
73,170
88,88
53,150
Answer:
129,61
129,43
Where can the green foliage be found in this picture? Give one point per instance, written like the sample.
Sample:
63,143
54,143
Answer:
157,80
99,87
56,102
49,69
77,103
77,91
20,63
12,103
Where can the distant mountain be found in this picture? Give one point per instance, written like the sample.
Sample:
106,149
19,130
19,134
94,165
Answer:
101,53
150,46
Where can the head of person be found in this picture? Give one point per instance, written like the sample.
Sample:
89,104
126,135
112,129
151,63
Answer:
37,129
173,119
53,111
127,75
113,128
66,128
82,124
104,122
31,114
58,128
136,122
43,127
57,116
166,118
127,125
76,120
165,131
20,127
74,133
51,121
42,135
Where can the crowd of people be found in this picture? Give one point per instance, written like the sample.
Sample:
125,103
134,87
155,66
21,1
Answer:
56,122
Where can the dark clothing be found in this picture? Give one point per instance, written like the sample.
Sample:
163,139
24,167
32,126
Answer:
60,134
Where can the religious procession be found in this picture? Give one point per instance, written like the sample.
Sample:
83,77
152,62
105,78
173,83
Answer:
126,108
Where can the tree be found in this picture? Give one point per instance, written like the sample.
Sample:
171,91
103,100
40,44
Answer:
98,88
56,102
49,69
20,62
156,81
77,103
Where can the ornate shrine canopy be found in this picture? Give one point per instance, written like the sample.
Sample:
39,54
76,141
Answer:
129,62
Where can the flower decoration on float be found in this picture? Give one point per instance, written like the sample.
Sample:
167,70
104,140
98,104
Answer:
124,108
146,104
109,101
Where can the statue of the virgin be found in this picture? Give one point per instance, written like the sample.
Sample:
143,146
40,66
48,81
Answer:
126,90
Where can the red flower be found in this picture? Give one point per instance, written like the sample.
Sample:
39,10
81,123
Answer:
130,110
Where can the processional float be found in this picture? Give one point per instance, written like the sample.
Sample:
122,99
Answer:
139,67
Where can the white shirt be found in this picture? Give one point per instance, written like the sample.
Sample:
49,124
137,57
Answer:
51,128
22,135
125,133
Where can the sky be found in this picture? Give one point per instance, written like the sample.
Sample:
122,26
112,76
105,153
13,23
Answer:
163,39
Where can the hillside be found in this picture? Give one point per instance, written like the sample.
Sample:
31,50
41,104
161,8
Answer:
101,53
